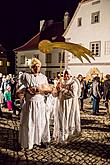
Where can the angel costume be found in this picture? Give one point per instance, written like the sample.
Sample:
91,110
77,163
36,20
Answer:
66,110
34,120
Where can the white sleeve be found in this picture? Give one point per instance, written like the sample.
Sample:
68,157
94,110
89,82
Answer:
45,80
22,87
25,79
77,88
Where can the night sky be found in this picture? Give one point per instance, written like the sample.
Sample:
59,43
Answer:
19,19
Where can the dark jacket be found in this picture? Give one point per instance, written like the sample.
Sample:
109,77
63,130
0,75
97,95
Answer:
106,94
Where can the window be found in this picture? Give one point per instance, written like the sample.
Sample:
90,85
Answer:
48,73
61,57
107,47
48,58
1,63
79,23
8,63
36,56
95,17
22,59
96,2
95,48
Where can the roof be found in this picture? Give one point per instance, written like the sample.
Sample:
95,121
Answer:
74,15
2,49
52,31
31,44
2,52
86,1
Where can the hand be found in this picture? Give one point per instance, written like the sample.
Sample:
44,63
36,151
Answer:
54,92
32,90
59,85
103,100
44,88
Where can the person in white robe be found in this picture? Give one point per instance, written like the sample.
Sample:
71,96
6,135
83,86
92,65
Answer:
34,119
66,107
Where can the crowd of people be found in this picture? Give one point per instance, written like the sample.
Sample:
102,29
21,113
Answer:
62,100
8,86
98,89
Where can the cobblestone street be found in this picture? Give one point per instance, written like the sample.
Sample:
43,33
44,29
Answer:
91,147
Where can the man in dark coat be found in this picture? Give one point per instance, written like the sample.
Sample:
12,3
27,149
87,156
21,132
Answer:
106,95
0,89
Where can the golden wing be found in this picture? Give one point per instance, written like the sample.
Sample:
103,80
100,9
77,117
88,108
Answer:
77,50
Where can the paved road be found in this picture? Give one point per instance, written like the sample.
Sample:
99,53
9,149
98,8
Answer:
91,148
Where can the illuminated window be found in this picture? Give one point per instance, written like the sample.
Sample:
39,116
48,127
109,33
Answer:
8,63
1,63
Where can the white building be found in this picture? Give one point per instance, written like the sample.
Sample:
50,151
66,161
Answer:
25,53
4,63
90,27
50,62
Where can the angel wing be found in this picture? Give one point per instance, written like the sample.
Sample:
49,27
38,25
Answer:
77,50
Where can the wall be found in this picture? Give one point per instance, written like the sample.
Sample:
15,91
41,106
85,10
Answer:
91,32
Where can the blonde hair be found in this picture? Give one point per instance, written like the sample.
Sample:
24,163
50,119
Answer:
34,61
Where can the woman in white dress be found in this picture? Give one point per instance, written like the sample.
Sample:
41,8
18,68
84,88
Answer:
34,118
66,108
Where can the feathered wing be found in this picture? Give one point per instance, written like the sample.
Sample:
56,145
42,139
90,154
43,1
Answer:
77,50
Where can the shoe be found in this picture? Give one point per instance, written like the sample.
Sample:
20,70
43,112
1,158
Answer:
1,114
30,148
13,115
44,145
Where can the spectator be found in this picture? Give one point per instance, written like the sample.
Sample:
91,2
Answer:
1,95
83,91
8,98
106,95
96,95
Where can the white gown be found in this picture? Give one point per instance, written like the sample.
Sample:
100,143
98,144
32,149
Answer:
67,113
34,120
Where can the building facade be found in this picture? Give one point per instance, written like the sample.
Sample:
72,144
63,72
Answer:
90,27
4,63
51,63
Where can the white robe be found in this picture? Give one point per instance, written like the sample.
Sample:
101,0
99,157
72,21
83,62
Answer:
34,120
67,114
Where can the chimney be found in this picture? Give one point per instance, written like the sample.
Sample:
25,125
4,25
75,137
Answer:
41,24
45,24
66,19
